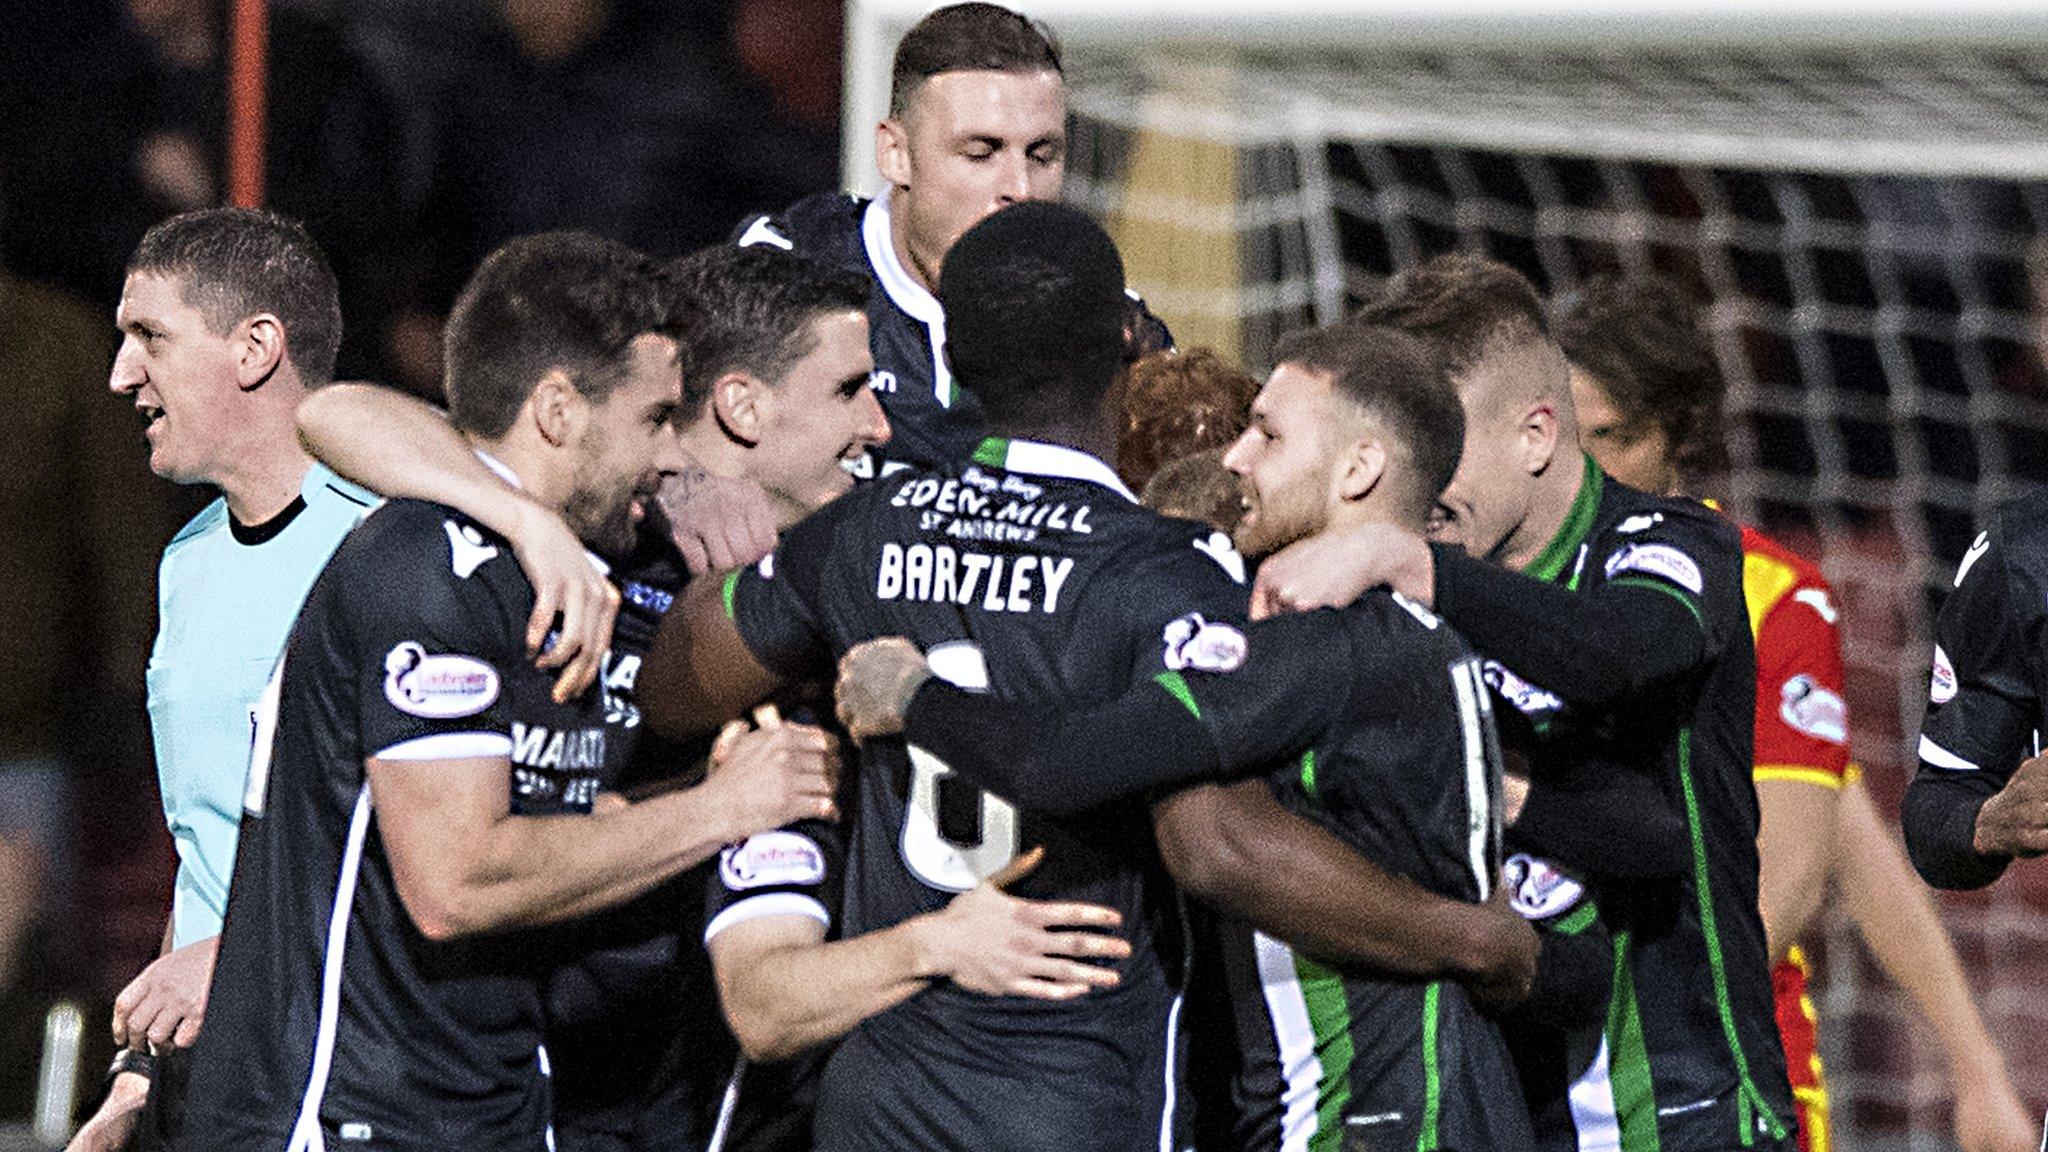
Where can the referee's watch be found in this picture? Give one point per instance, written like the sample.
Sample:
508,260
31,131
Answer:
132,1060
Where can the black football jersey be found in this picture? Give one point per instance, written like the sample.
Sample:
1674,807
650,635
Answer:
640,1051
1985,704
334,1021
1029,572
1689,1057
1375,722
933,421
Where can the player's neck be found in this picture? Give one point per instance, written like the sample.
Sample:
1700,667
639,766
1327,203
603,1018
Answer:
264,482
925,272
1553,492
1348,515
525,459
1096,438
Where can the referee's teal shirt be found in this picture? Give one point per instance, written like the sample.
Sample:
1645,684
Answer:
227,595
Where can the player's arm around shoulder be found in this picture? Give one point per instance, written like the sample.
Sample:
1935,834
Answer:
785,988
444,695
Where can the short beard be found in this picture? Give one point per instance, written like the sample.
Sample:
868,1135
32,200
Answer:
601,517
1268,535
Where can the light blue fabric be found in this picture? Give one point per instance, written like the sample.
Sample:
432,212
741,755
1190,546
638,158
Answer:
225,610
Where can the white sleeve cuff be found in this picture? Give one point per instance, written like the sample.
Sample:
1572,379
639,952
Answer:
768,904
450,746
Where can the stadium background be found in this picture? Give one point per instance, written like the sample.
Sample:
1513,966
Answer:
1855,190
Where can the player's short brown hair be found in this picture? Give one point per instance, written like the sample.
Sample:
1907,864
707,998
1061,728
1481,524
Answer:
1638,337
1390,376
1176,404
969,38
232,263
1461,307
1197,487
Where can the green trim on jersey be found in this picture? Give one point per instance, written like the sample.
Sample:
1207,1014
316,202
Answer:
1750,1101
1176,686
1628,1059
1581,918
1308,773
729,593
1667,589
1550,562
1432,1070
992,452
1329,1017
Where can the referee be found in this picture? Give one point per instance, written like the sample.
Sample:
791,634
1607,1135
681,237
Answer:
227,318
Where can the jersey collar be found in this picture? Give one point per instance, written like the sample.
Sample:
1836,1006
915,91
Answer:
879,237
1550,562
1036,458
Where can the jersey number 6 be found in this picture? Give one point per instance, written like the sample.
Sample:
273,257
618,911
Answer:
939,854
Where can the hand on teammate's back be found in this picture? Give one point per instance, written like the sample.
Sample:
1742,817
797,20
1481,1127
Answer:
877,679
2015,822
776,775
566,584
991,942
1335,568
166,1004
718,522
1511,944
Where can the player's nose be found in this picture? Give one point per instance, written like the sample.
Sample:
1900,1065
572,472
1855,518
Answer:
1237,458
127,374
878,431
1016,179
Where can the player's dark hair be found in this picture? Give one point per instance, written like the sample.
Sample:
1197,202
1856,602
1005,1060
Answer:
233,263
752,310
1034,301
1197,487
1391,377
1460,306
557,300
969,38
1638,337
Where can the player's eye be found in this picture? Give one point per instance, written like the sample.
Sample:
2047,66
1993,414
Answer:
1046,153
851,386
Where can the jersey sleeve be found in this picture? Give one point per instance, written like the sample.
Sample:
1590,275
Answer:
1802,721
1267,693
1175,605
792,871
776,604
1982,704
431,661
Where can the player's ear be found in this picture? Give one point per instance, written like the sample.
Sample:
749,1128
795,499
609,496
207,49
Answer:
740,401
1360,468
1539,436
259,349
559,412
892,152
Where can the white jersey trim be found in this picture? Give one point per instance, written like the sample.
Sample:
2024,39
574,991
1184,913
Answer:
306,1134
1941,757
766,905
450,746
1479,817
878,237
1166,1116
1301,1070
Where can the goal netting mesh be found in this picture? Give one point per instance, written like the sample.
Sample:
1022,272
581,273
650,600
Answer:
1862,225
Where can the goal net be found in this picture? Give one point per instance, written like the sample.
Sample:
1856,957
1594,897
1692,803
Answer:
1854,190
